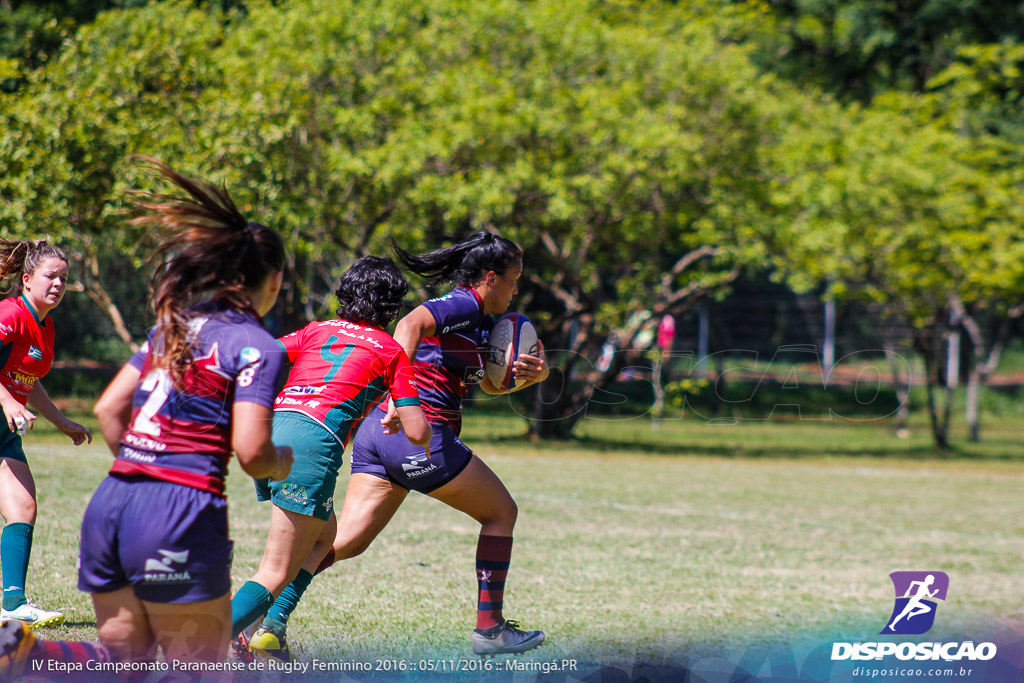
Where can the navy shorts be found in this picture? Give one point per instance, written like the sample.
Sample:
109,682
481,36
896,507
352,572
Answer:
10,442
168,541
393,457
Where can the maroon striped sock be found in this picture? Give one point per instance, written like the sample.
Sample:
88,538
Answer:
493,555
69,651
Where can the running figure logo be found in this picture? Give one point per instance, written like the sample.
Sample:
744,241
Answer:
916,596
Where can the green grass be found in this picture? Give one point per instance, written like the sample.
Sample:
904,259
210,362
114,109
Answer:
636,542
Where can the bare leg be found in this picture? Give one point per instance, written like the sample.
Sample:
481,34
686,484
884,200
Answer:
17,491
479,493
124,626
289,542
197,631
18,507
370,503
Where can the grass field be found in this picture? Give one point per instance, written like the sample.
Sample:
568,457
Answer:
638,544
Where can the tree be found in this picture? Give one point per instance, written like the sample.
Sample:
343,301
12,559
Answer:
894,206
857,50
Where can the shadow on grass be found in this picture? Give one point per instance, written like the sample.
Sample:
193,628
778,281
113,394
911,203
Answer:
996,450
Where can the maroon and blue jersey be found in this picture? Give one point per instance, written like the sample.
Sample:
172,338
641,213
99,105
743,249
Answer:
183,435
452,360
340,371
26,347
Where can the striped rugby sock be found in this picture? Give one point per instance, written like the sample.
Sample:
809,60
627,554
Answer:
69,651
493,556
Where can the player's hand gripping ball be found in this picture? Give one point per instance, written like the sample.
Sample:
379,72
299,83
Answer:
512,335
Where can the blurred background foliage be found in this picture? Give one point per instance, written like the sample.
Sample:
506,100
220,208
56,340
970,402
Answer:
647,156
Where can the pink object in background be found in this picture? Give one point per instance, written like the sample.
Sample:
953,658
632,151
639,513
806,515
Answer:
666,332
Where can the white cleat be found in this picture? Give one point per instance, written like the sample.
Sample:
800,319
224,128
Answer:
33,616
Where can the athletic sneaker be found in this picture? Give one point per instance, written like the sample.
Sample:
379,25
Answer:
32,616
269,641
505,638
16,641
240,646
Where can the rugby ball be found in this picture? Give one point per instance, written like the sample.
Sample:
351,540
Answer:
512,334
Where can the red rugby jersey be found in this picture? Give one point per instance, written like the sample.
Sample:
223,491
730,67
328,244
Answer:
26,347
340,371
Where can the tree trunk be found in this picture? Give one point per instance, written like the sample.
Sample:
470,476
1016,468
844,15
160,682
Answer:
940,426
902,387
973,391
982,364
556,410
95,291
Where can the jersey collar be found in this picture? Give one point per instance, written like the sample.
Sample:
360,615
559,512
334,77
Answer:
479,301
26,304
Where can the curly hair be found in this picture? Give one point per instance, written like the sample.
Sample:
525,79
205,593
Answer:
371,291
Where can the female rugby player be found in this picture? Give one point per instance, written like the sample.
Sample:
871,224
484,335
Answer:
155,552
340,370
445,338
26,354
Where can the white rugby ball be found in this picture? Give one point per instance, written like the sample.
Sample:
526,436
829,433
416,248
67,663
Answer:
512,334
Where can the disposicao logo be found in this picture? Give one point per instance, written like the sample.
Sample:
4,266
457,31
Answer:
917,594
913,613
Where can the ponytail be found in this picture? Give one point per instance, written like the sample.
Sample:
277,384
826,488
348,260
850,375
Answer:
209,249
464,263
20,257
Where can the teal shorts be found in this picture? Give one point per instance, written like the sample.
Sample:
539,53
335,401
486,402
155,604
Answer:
10,442
309,488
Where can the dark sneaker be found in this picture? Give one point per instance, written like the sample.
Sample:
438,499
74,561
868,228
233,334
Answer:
506,638
269,642
240,646
16,641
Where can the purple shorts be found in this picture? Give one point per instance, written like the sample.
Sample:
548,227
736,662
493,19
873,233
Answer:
393,457
169,542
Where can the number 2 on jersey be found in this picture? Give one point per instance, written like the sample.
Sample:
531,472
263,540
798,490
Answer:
158,384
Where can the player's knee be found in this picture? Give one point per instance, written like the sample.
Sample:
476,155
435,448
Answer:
24,510
502,518
512,514
351,549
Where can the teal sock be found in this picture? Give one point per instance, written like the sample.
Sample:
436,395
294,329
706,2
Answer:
289,598
249,604
15,548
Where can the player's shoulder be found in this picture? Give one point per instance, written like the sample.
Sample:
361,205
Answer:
14,316
456,297
12,306
237,332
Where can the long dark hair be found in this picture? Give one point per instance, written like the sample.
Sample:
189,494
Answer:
371,291
24,256
464,263
209,250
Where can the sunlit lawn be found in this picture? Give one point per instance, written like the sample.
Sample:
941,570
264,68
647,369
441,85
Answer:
636,541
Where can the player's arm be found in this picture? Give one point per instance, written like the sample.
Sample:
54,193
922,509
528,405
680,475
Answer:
40,400
251,432
13,410
409,332
411,329
416,427
114,409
